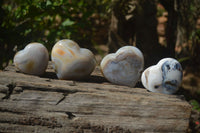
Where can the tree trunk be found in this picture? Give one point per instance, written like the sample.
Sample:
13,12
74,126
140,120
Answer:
121,31
182,30
46,104
171,29
138,27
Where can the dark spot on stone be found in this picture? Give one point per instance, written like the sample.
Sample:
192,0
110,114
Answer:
178,67
156,86
168,67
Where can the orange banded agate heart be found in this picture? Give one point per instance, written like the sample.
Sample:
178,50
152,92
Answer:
70,61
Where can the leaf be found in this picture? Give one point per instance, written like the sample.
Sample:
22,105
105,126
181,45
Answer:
67,22
184,59
48,3
195,105
58,3
80,3
27,31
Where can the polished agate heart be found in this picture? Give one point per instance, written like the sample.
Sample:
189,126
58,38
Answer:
165,77
33,59
70,61
123,67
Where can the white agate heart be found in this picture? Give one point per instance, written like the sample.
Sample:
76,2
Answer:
70,61
165,77
33,59
123,67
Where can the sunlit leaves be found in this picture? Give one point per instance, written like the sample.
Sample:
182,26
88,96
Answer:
47,21
195,105
67,22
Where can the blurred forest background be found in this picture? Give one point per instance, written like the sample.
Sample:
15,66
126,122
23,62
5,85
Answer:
160,28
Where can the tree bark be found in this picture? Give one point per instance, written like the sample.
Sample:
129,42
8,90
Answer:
171,29
46,104
137,27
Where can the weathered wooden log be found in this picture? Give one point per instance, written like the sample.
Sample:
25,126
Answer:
46,104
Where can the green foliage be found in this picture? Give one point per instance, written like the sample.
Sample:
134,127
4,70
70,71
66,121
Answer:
47,21
160,11
183,59
195,105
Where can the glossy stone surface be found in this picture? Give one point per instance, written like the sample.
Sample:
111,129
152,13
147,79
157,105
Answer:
70,61
123,67
165,77
33,59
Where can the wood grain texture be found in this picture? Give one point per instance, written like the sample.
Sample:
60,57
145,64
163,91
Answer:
46,104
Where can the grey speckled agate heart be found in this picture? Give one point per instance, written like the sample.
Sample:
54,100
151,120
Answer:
123,67
165,77
33,59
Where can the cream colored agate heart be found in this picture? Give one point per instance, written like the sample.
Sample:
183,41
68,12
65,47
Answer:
70,61
33,59
165,77
123,67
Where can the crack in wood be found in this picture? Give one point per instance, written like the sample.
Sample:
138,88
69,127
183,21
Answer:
70,115
33,121
63,98
35,88
11,111
10,90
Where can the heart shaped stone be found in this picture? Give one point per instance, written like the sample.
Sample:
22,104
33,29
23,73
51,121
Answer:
70,61
123,67
33,59
165,77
